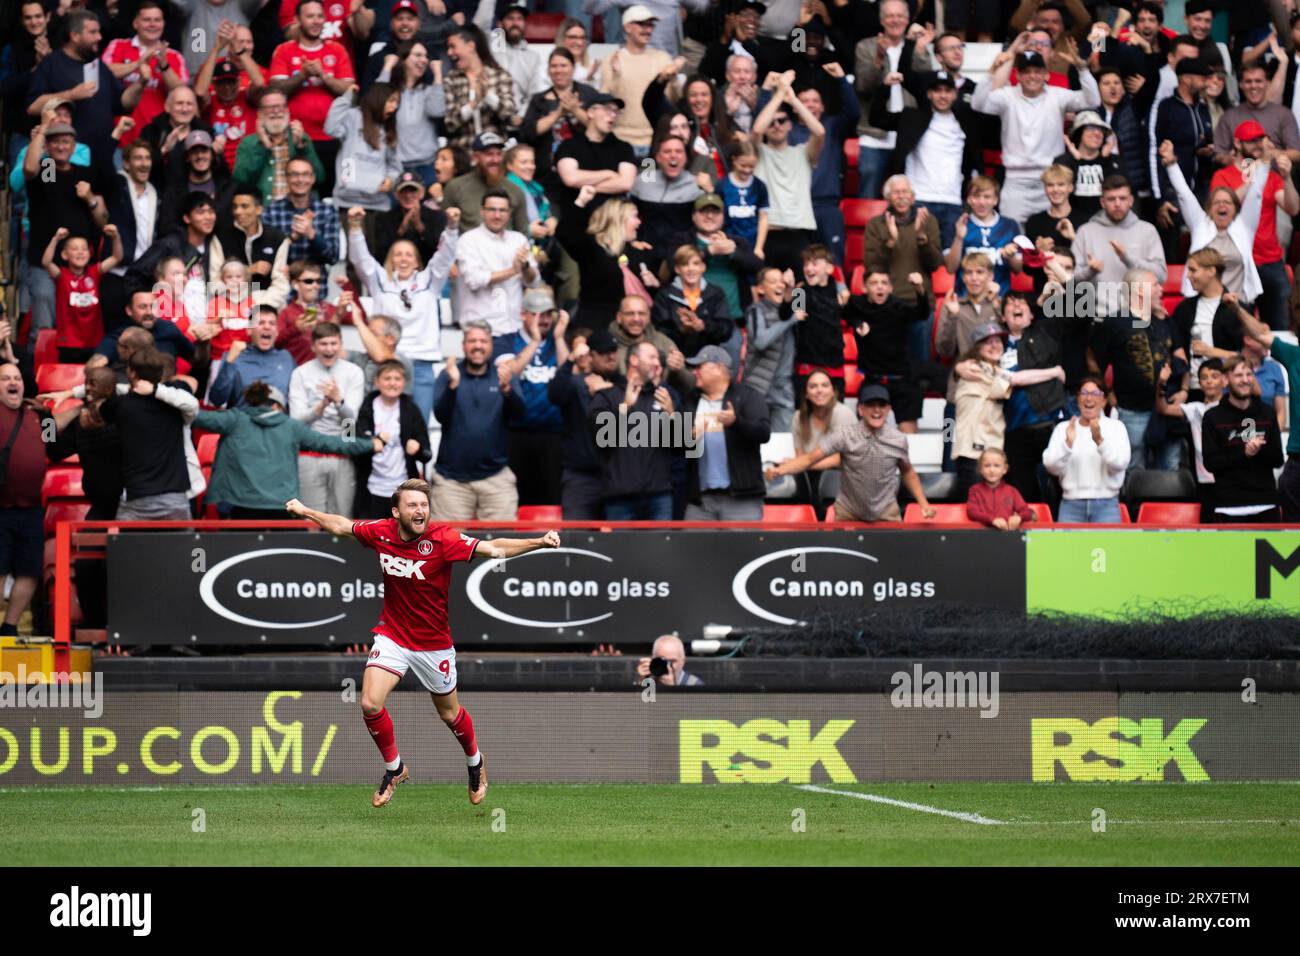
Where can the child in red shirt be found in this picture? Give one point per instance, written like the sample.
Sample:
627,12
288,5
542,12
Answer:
78,320
994,502
229,309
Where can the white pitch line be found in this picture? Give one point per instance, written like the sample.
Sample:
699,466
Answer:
920,807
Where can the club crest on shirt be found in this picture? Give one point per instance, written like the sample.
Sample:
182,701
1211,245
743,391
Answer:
425,547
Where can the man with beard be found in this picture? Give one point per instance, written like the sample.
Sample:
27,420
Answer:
63,75
413,632
311,225
405,23
517,58
142,316
168,131
312,71
466,192
472,479
264,158
133,206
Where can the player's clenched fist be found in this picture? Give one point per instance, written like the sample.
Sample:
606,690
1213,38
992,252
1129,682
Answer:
551,539
295,507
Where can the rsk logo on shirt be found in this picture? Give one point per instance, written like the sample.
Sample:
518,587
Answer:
400,567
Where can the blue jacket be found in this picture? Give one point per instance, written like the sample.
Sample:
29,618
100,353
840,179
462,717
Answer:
829,170
274,367
473,418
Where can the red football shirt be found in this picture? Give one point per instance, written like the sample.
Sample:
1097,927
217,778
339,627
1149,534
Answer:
336,20
417,580
234,121
312,101
1267,248
154,96
77,316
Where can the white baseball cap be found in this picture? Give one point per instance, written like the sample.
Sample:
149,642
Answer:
638,13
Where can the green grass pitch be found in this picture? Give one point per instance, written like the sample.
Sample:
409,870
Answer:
524,824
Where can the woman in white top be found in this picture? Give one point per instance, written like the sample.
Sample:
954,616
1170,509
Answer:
1089,454
408,293
1226,225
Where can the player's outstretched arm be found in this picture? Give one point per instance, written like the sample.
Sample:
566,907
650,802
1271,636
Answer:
513,547
334,524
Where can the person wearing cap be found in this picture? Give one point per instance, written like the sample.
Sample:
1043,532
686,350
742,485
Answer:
597,157
226,87
313,71
201,172
873,463
62,75
168,131
1089,155
982,387
1148,100
787,171
256,360
166,67
936,138
466,191
65,199
403,25
1251,142
516,56
591,366
662,18
629,69
1033,116
533,357
480,94
1184,120
730,422
409,219
730,262
258,457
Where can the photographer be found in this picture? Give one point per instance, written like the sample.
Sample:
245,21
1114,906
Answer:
667,664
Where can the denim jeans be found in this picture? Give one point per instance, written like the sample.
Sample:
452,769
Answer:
1090,511
872,164
40,296
1276,296
946,214
422,389
656,507
830,223
1165,455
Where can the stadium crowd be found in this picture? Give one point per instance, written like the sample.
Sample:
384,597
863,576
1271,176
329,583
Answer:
739,216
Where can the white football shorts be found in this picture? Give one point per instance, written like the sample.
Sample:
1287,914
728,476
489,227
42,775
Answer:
436,670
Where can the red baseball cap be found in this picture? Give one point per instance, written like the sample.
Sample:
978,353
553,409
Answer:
1248,131
407,5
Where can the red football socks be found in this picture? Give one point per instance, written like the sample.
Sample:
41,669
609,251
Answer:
380,726
463,728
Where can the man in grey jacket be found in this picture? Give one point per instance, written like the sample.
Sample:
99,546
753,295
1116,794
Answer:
1114,241
769,366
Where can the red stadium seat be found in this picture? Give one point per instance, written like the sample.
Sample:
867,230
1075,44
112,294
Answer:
207,448
56,377
790,514
1170,302
598,29
64,511
1174,279
945,514
853,248
66,405
1043,514
856,282
540,513
47,351
838,275
851,147
542,27
941,280
859,212
1165,513
850,347
852,380
62,483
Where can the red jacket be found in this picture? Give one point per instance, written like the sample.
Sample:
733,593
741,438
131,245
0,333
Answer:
984,503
